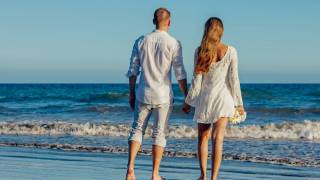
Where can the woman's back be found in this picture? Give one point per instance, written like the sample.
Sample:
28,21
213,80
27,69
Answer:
219,88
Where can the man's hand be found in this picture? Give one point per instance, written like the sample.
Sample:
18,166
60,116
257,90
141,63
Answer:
186,108
184,89
132,100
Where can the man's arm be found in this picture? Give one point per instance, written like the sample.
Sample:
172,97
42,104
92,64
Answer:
132,73
132,91
181,74
183,87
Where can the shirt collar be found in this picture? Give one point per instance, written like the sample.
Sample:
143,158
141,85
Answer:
160,31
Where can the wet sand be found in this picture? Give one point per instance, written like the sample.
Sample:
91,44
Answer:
33,163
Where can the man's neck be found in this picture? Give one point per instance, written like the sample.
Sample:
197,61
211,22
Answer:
162,29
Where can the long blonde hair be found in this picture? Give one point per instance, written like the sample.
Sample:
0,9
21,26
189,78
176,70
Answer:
207,52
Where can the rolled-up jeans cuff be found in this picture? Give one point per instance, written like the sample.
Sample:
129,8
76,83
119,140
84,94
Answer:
160,142
135,137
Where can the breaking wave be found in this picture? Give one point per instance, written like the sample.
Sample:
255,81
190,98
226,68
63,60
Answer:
306,130
170,153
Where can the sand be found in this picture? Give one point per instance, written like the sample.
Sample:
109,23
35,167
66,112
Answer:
33,163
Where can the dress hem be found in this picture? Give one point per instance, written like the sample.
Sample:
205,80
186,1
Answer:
214,121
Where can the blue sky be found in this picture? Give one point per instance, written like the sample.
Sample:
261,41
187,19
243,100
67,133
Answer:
78,41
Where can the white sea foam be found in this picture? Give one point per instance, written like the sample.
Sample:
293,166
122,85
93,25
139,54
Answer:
309,130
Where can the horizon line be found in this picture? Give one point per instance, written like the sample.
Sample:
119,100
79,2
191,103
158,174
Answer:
138,83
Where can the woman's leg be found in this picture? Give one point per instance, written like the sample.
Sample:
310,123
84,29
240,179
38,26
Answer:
204,131
217,145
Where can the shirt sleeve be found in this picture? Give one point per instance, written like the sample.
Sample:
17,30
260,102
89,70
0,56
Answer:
196,84
177,63
233,79
134,67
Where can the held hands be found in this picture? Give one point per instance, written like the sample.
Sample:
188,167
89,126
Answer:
186,108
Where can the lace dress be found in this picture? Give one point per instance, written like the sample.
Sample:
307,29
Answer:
216,93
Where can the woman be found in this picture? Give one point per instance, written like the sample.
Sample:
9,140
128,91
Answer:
215,93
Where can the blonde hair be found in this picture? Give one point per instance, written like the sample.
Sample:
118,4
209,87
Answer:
207,52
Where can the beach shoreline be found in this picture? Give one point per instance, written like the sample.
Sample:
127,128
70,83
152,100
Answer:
36,163
148,152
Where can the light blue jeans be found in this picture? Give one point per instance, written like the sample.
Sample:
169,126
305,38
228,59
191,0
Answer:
142,114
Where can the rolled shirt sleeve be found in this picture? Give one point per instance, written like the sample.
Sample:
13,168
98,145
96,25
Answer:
134,67
196,84
177,63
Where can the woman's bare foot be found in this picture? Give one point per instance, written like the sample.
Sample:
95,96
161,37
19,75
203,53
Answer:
130,175
201,178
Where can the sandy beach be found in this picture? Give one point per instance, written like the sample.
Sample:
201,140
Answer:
33,163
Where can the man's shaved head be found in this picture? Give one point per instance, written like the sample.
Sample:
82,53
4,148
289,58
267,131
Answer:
160,16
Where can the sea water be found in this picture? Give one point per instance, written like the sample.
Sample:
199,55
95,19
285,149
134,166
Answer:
282,124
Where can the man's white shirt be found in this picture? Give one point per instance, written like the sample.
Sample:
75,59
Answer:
153,56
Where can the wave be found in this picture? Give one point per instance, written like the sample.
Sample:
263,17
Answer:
314,94
259,93
99,97
102,109
170,153
105,97
67,108
288,110
6,110
114,108
306,130
31,98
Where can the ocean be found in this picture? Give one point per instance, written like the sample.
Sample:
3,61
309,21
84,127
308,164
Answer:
282,126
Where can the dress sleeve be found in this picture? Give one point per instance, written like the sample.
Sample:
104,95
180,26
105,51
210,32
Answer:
177,63
134,66
195,87
233,79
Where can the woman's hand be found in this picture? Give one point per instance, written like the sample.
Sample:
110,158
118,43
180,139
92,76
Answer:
186,108
240,109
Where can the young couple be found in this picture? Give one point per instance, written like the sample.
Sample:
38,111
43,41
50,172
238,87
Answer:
214,92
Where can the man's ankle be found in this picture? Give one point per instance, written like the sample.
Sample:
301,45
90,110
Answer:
155,173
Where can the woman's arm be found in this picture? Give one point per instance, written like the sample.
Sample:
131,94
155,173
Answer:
233,79
195,87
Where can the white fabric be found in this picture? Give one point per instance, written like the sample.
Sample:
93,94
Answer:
155,54
142,114
216,93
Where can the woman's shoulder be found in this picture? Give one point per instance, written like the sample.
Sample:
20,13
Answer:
233,52
231,48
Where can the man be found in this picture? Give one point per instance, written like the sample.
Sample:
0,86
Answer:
155,54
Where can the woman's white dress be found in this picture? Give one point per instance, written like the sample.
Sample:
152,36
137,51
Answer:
216,93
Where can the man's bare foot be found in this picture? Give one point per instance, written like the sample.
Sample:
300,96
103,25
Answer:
157,177
130,175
